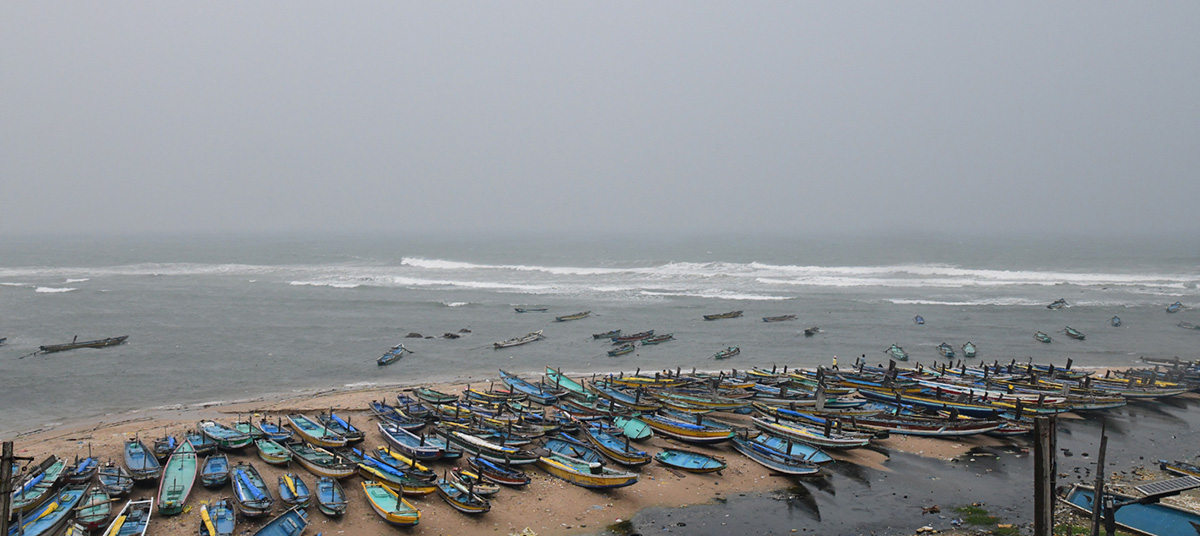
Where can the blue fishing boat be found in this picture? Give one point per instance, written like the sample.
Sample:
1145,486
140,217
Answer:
968,349
1115,321
795,449
341,426
142,465
390,505
114,479
460,497
133,519
200,442
498,472
633,427
1058,304
1174,307
53,514
392,355
584,474
293,491
607,334
920,320
570,447
946,350
331,497
773,459
290,523
250,492
727,353
1041,337
225,437
214,473
218,519
1146,519
537,394
275,431
623,349
94,510
690,461
82,470
392,415
658,339
419,447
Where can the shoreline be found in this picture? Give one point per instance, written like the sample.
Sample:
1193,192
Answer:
548,506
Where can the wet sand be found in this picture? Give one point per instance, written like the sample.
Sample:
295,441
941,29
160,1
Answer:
547,506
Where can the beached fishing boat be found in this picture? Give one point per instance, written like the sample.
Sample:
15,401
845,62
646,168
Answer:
576,316
690,461
48,518
1154,519
1174,307
530,309
623,349
290,523
434,397
218,519
201,443
633,337
968,349
293,491
411,466
390,414
314,432
562,382
517,341
502,474
460,497
720,316
478,485
565,445
251,495
584,474
727,353
319,461
535,393
392,355
633,427
618,450
637,401
133,519
272,452
82,470
214,472
163,447
402,479
276,431
1179,468
1073,333
1115,321
340,426
919,320
809,332
1041,337
897,353
74,344
179,475
773,459
607,334
946,350
390,505
141,463
492,451
331,497
1058,304
796,449
686,431
783,318
114,479
658,339
94,510
226,438
412,445
798,431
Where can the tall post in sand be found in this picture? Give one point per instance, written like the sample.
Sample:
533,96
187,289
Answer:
6,463
1098,491
1044,468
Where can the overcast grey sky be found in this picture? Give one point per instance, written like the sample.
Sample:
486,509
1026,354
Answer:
658,117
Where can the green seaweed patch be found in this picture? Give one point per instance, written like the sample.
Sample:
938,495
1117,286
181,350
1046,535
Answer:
623,528
976,515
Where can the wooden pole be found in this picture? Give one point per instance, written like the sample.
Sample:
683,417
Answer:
6,473
1044,467
1098,491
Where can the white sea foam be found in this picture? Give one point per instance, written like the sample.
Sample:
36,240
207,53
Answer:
14,285
438,264
455,303
53,290
717,294
331,284
993,301
359,385
69,281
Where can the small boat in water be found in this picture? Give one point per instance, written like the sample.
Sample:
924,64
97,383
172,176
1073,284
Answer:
1058,304
390,505
897,353
968,349
290,523
623,349
658,339
392,355
530,309
1174,307
783,318
690,461
1115,321
919,320
946,350
1074,333
719,316
133,519
633,337
517,341
1041,337
812,331
607,334
214,472
727,353
576,316
331,497
1188,325
219,519
74,344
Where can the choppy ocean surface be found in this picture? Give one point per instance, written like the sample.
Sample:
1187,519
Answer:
215,320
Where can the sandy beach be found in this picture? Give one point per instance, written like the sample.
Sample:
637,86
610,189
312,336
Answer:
547,506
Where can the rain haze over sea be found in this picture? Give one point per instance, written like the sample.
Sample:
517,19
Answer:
220,320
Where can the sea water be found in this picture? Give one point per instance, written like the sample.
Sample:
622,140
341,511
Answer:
224,319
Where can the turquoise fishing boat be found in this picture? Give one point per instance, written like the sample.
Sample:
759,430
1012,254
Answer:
460,497
225,437
1144,519
390,505
968,349
314,432
51,516
773,459
570,447
331,497
690,461
179,475
897,353
633,427
584,474
573,388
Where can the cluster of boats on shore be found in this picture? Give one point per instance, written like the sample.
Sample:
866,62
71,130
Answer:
589,432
